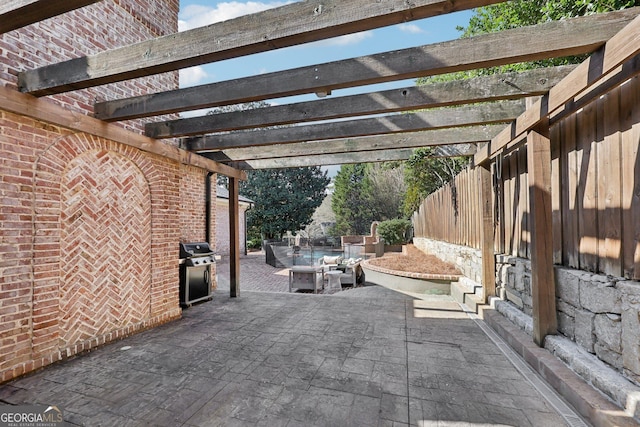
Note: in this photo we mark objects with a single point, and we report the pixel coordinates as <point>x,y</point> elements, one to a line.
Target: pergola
<point>487,115</point>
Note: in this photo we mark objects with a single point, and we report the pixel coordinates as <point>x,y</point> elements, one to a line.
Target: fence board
<point>612,226</point>
<point>498,191</point>
<point>595,192</point>
<point>601,186</point>
<point>568,188</point>
<point>466,201</point>
<point>506,211</point>
<point>588,229</point>
<point>515,204</point>
<point>556,194</point>
<point>630,139</point>
<point>523,203</point>
<point>475,220</point>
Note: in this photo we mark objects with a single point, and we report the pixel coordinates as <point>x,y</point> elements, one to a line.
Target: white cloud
<point>192,76</point>
<point>350,39</point>
<point>194,113</point>
<point>346,40</point>
<point>410,28</point>
<point>194,16</point>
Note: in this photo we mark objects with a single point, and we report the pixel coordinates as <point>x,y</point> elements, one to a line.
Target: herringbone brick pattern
<point>105,246</point>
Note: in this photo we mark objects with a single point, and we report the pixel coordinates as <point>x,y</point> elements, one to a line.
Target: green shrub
<point>394,231</point>
<point>254,243</point>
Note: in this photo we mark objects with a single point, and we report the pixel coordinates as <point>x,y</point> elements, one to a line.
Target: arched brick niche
<point>105,246</point>
<point>100,245</point>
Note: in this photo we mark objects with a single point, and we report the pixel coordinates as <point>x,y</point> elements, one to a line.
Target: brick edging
<point>88,345</point>
<point>412,275</point>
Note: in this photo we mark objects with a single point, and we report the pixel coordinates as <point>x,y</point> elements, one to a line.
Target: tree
<point>425,174</point>
<point>520,13</point>
<point>394,231</point>
<point>352,201</point>
<point>222,180</point>
<point>389,188</point>
<point>285,199</point>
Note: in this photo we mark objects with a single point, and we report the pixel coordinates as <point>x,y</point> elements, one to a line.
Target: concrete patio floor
<point>364,357</point>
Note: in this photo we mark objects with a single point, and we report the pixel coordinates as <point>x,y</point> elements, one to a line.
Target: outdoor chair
<point>330,262</point>
<point>352,272</point>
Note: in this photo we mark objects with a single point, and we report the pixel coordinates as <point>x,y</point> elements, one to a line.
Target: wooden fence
<point>595,192</point>
<point>451,214</point>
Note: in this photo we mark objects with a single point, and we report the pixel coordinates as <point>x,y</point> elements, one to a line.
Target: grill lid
<point>195,249</point>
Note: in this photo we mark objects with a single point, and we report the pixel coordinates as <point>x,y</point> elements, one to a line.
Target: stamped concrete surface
<point>362,357</point>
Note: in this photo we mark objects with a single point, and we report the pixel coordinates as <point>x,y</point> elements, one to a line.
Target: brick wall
<point>192,203</point>
<point>89,228</point>
<point>105,25</point>
<point>223,242</point>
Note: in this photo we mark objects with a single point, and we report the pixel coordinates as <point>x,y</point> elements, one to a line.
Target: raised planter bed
<point>414,284</point>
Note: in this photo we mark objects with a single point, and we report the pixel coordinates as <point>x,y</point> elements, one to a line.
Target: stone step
<point>590,397</point>
<point>467,293</point>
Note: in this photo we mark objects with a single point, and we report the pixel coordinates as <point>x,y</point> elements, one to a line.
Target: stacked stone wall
<point>468,260</point>
<point>599,313</point>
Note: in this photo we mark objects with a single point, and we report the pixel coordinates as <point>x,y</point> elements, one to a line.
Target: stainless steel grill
<point>196,260</point>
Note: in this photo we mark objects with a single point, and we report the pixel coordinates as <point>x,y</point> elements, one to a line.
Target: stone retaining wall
<point>468,260</point>
<point>601,314</point>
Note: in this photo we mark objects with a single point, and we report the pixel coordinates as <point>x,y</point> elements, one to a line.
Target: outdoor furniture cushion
<point>331,260</point>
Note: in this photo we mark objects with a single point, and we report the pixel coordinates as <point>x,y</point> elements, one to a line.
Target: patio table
<point>306,277</point>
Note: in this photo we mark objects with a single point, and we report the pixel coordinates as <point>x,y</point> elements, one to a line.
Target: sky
<point>197,13</point>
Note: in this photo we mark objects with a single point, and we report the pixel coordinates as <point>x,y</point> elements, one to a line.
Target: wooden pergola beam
<point>552,39</point>
<point>461,135</point>
<point>289,25</point>
<point>46,111</point>
<point>614,57</point>
<point>16,14</point>
<point>543,292</point>
<point>479,89</point>
<point>487,243</point>
<point>346,158</point>
<point>234,238</point>
<point>497,112</point>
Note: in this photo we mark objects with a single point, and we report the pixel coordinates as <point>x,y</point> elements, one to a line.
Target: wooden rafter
<point>552,39</point>
<point>16,14</point>
<point>496,112</point>
<point>479,89</point>
<point>617,56</point>
<point>461,135</point>
<point>346,158</point>
<point>293,24</point>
